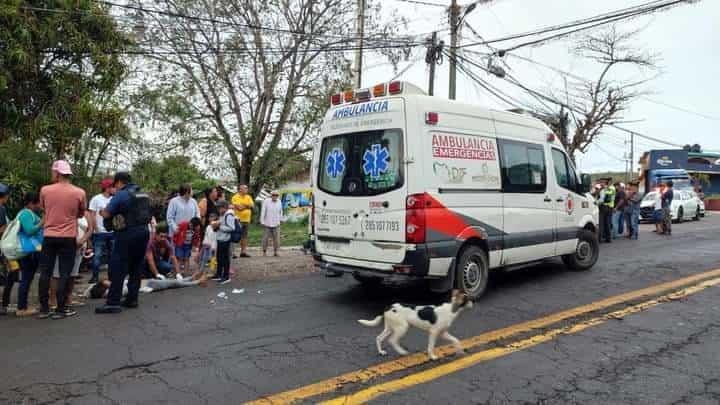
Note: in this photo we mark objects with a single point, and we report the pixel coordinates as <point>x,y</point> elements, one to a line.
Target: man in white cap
<point>270,218</point>
<point>63,204</point>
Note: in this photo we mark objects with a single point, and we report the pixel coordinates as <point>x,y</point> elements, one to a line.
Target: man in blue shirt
<point>129,211</point>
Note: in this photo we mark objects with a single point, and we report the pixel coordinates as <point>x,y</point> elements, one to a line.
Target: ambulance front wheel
<point>471,272</point>
<point>586,253</point>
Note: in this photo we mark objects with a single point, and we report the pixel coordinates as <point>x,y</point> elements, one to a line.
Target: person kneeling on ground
<point>160,258</point>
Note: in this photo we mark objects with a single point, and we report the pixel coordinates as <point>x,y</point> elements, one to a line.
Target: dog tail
<point>374,322</point>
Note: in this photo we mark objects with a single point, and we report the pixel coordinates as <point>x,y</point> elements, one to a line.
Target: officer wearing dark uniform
<point>128,215</point>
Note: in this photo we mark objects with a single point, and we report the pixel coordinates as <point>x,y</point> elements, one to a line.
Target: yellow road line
<point>406,362</point>
<point>486,355</point>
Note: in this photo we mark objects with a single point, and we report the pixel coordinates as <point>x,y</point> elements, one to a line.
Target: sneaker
<point>43,314</point>
<point>244,255</point>
<point>108,309</point>
<point>66,313</point>
<point>3,311</point>
<point>69,312</point>
<point>22,313</point>
<point>225,281</point>
<point>216,278</point>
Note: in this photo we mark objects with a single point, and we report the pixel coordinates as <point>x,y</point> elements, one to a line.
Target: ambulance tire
<point>586,254</point>
<point>472,272</point>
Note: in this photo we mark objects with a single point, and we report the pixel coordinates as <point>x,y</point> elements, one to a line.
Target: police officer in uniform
<point>128,215</point>
<point>607,203</point>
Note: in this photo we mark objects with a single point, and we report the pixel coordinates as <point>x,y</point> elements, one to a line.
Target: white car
<point>684,206</point>
<point>699,203</point>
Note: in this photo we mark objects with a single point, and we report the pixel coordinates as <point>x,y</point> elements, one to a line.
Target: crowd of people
<point>619,206</point>
<point>57,231</point>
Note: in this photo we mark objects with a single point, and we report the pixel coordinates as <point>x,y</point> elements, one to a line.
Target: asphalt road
<point>190,346</point>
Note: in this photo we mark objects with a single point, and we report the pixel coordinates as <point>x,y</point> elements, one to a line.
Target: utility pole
<point>454,29</point>
<point>359,51</point>
<point>632,153</point>
<point>433,57</point>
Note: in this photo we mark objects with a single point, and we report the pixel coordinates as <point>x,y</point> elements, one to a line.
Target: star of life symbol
<point>335,163</point>
<point>375,161</point>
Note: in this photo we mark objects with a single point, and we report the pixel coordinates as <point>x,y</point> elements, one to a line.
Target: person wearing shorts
<point>186,237</point>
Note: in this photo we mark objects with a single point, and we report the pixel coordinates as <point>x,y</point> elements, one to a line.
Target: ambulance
<point>408,186</point>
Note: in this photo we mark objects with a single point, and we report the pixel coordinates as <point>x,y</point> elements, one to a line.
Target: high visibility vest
<point>610,194</point>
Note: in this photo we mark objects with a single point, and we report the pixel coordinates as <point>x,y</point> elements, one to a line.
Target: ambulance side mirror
<point>585,183</point>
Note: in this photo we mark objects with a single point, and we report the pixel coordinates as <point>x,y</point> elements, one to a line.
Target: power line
<point>222,22</point>
<point>574,76</point>
<point>423,3</point>
<point>560,103</point>
<point>585,80</point>
<point>372,37</point>
<point>605,18</point>
<point>674,107</point>
<point>608,153</point>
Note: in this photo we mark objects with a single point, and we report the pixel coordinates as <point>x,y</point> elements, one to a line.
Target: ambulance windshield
<point>361,163</point>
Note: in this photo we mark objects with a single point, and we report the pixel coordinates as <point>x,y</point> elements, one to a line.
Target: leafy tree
<point>24,169</point>
<point>60,64</point>
<point>168,174</point>
<point>245,83</point>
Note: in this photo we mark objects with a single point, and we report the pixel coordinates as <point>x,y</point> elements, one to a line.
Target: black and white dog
<point>436,320</point>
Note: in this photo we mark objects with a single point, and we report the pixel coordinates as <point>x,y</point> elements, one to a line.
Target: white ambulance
<point>411,186</point>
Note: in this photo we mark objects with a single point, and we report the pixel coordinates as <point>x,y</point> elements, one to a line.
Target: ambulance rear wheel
<point>471,272</point>
<point>586,253</point>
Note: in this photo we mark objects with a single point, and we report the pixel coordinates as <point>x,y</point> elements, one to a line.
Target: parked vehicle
<point>699,204</point>
<point>684,206</point>
<point>415,187</point>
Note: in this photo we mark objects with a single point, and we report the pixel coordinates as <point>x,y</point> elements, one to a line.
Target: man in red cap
<point>63,204</point>
<point>102,239</point>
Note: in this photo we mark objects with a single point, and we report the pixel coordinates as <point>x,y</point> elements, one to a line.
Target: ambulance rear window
<point>361,163</point>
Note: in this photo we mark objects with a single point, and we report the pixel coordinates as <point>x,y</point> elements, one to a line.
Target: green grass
<point>291,234</point>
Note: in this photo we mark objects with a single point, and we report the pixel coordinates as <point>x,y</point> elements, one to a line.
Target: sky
<point>686,39</point>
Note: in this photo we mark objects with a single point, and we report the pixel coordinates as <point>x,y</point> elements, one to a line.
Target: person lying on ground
<point>101,288</point>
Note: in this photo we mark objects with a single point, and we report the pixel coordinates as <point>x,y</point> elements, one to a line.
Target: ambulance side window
<point>523,167</point>
<point>564,171</point>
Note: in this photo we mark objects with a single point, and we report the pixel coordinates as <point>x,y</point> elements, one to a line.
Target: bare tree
<point>244,84</point>
<point>599,103</point>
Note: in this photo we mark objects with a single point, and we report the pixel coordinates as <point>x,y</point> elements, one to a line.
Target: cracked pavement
<point>178,347</point>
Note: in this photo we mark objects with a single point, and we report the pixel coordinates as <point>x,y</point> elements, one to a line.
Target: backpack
<point>10,242</point>
<point>237,233</point>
